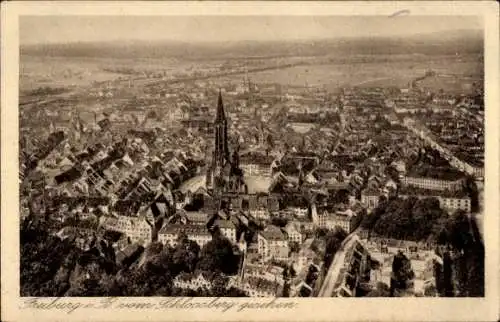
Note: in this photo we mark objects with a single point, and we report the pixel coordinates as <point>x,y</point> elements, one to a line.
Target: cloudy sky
<point>60,29</point>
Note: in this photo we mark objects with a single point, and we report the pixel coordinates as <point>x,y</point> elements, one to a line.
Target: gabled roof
<point>273,233</point>
<point>370,192</point>
<point>187,229</point>
<point>196,216</point>
<point>221,223</point>
<point>290,226</point>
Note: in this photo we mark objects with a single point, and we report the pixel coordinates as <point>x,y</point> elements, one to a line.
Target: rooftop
<point>273,233</point>
<point>256,158</point>
<point>371,192</point>
<point>263,284</point>
<point>221,223</point>
<point>196,216</point>
<point>443,173</point>
<point>414,191</point>
<point>187,229</point>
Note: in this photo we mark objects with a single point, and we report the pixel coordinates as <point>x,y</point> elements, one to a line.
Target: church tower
<point>220,156</point>
<point>221,151</point>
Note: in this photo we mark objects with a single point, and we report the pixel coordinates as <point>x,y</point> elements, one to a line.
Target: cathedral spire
<point>221,151</point>
<point>220,116</point>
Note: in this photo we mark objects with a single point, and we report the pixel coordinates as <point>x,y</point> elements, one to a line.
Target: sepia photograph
<point>251,156</point>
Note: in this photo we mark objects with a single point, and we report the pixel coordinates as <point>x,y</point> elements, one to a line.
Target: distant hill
<point>438,43</point>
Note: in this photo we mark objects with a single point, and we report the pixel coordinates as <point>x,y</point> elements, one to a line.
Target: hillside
<point>439,43</point>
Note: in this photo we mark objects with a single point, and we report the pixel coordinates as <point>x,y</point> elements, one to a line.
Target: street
<point>338,261</point>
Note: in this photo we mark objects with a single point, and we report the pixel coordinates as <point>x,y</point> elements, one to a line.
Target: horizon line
<point>291,40</point>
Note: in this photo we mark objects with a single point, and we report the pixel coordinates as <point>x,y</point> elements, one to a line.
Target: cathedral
<point>224,174</point>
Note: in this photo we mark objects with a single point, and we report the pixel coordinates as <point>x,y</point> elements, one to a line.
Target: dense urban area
<point>252,176</point>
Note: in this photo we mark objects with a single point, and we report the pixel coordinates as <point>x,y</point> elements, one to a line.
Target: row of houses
<point>449,200</point>
<point>434,183</point>
<point>347,218</point>
<point>254,285</point>
<point>198,233</point>
<point>421,131</point>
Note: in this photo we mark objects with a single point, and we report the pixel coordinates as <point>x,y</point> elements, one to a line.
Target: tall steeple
<point>221,116</point>
<point>221,151</point>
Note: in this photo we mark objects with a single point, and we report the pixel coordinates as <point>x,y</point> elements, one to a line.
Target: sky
<point>62,29</point>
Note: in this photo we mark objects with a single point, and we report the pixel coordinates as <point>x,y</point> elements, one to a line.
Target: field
<point>330,72</point>
<point>39,71</point>
<point>451,84</point>
<point>60,72</point>
<point>384,74</point>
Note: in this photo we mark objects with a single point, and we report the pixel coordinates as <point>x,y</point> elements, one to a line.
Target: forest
<point>51,266</point>
<point>460,244</point>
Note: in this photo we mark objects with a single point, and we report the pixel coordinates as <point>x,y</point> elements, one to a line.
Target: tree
<point>447,289</point>
<point>294,247</point>
<point>218,256</point>
<point>185,256</point>
<point>468,260</point>
<point>381,290</point>
<point>270,141</point>
<point>279,221</point>
<point>333,241</point>
<point>42,257</point>
<point>409,219</point>
<point>475,270</point>
<point>235,292</point>
<point>402,274</point>
<point>142,281</point>
<point>430,291</point>
<point>152,251</point>
<point>320,232</point>
<point>219,284</point>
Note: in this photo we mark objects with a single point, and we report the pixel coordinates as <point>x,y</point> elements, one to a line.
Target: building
<point>261,213</point>
<point>293,233</point>
<point>84,237</point>
<point>304,257</point>
<point>161,207</point>
<point>434,184</point>
<point>192,281</point>
<point>257,203</point>
<point>196,217</point>
<point>370,198</point>
<point>227,229</point>
<point>452,204</point>
<point>304,225</point>
<point>300,211</point>
<point>271,273</point>
<point>331,218</point>
<point>224,174</point>
<point>169,234</point>
<point>254,164</point>
<point>449,200</point>
<point>326,218</point>
<point>346,220</point>
<point>272,244</point>
<point>129,254</point>
<point>136,228</point>
<point>355,262</point>
<point>424,273</point>
<point>259,287</point>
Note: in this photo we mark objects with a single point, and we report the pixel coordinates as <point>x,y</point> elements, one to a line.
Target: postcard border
<point>421,309</point>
